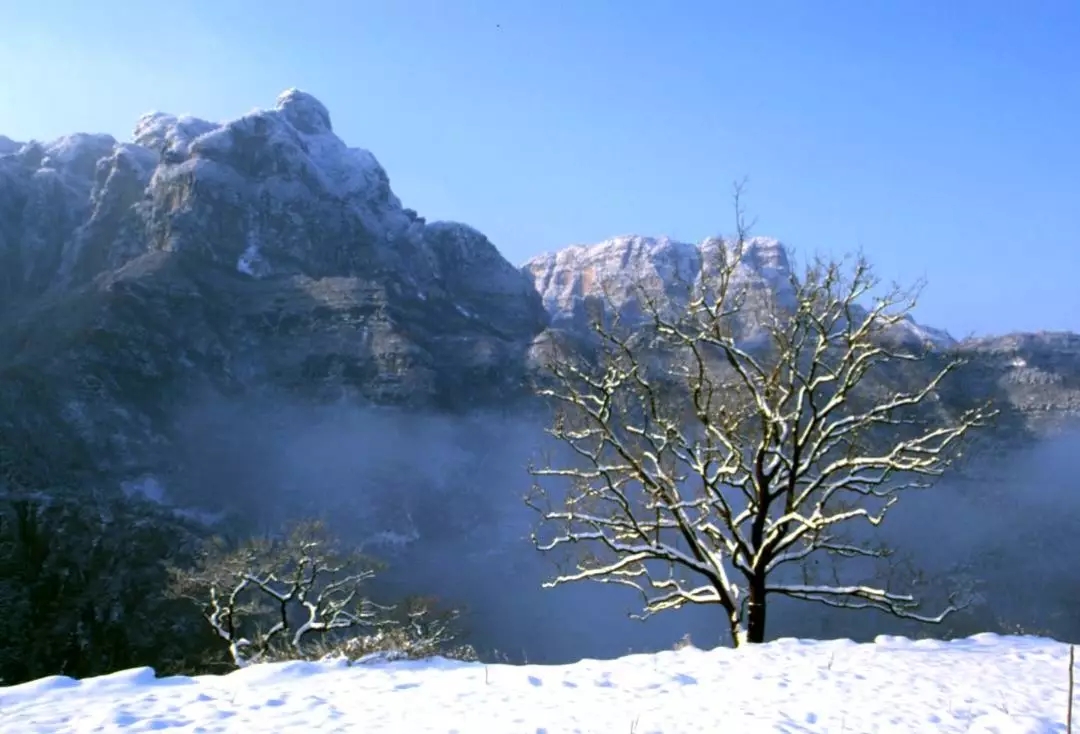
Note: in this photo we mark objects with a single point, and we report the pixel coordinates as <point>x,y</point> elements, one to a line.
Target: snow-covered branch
<point>863,597</point>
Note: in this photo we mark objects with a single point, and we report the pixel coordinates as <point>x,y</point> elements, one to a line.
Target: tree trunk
<point>755,610</point>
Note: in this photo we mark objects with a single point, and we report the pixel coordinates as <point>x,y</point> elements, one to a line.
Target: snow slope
<point>986,683</point>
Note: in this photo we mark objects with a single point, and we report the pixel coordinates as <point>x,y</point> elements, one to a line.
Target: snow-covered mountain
<point>260,253</point>
<point>273,193</point>
<point>615,270</point>
<point>1034,377</point>
<point>266,253</point>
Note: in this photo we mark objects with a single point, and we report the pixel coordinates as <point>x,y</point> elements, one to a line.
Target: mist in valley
<point>440,499</point>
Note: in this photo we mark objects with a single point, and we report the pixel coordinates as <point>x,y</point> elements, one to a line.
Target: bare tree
<point>722,443</point>
<point>273,593</point>
<point>299,596</point>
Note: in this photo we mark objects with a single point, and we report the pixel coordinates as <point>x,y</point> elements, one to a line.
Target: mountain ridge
<point>615,270</point>
<point>166,145</point>
<point>263,254</point>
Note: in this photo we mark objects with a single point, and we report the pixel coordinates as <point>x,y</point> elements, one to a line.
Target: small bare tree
<point>270,595</point>
<point>728,440</point>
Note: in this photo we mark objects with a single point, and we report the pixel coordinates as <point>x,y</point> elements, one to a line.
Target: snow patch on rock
<point>249,260</point>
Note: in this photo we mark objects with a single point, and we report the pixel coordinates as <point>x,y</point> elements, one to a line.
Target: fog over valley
<point>440,498</point>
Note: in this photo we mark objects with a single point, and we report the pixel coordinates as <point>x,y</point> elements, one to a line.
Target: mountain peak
<point>304,112</point>
<point>272,193</point>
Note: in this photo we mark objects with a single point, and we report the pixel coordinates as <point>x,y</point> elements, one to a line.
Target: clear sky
<point>939,137</point>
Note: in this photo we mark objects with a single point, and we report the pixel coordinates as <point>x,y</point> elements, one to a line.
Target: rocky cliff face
<point>257,254</point>
<point>1037,373</point>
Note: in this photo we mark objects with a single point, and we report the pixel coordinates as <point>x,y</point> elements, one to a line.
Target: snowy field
<point>1014,685</point>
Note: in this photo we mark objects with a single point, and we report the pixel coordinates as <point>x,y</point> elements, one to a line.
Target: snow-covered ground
<point>1015,685</point>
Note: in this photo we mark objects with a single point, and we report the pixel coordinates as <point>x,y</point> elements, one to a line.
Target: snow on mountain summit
<point>295,140</point>
<point>272,193</point>
<point>615,270</point>
<point>665,267</point>
<point>304,112</point>
<point>164,133</point>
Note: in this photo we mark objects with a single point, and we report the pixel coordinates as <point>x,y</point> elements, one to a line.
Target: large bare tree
<point>731,438</point>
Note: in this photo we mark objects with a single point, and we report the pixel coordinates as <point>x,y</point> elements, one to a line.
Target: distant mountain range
<point>264,255</point>
<point>615,271</point>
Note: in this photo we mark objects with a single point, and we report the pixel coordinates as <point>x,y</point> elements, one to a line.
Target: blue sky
<point>939,137</point>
